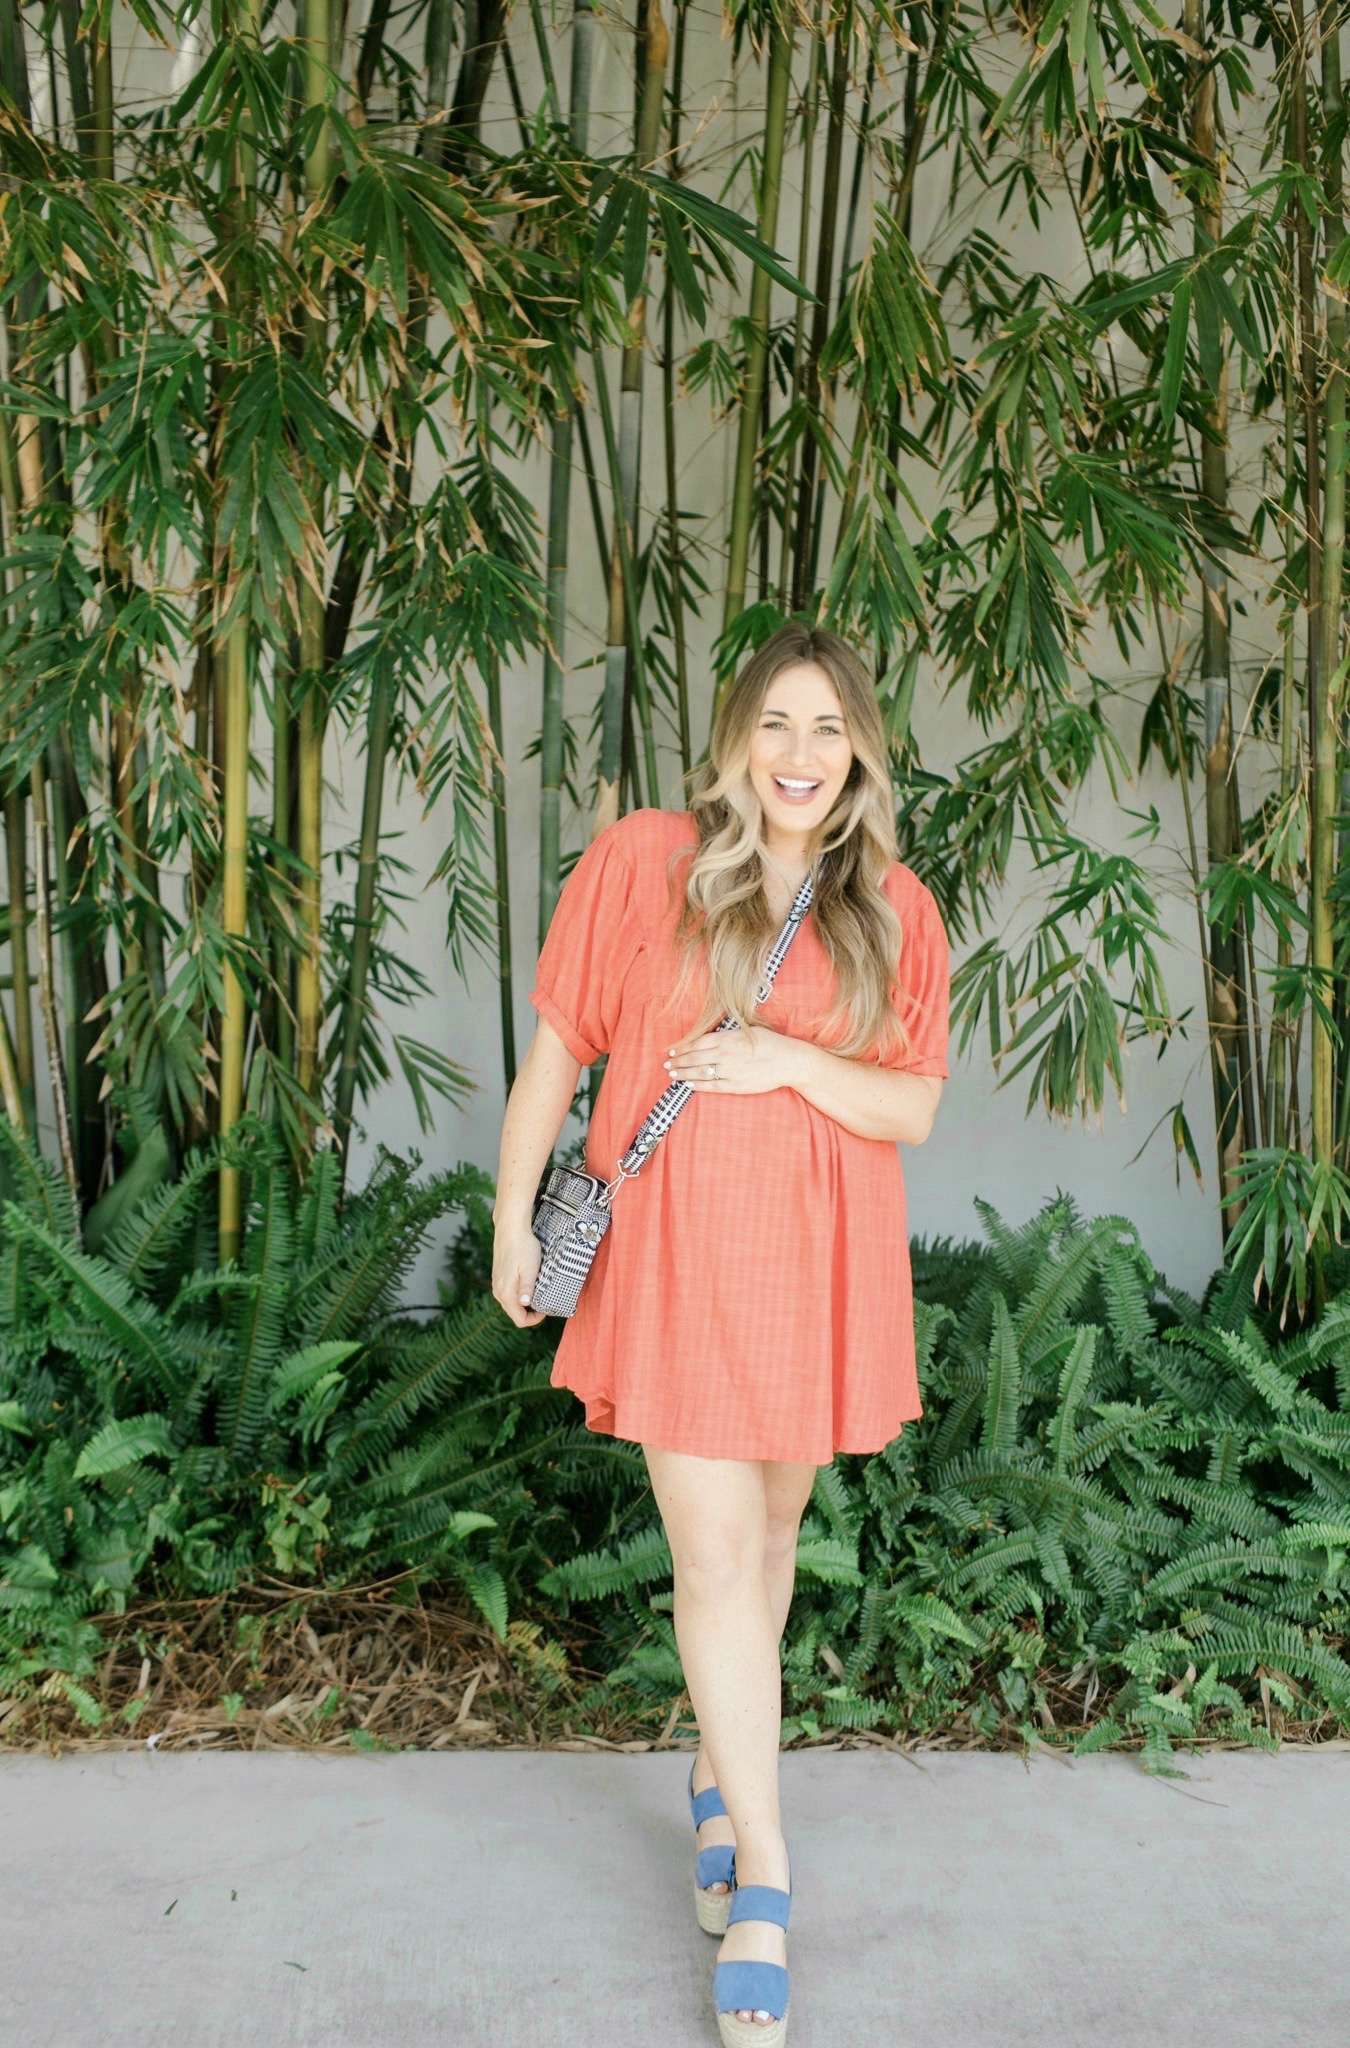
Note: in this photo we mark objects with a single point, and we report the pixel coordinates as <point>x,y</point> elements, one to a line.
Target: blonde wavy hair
<point>724,919</point>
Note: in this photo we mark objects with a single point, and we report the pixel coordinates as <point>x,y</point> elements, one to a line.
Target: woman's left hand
<point>749,1061</point>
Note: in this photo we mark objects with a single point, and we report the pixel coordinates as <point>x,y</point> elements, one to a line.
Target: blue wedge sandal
<point>714,1865</point>
<point>751,1986</point>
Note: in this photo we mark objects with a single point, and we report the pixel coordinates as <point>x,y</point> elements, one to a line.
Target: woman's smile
<point>795,790</point>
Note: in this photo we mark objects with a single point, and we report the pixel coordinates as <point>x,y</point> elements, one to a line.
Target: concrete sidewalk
<point>543,1900</point>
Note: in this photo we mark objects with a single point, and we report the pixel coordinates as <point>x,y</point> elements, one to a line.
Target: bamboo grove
<point>329,336</point>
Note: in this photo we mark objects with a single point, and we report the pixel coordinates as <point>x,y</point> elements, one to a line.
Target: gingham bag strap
<point>668,1106</point>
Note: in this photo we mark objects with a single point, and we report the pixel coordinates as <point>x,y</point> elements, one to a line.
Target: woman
<point>749,1311</point>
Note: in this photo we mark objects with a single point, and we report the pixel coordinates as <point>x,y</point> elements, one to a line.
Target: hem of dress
<point>601,1420</point>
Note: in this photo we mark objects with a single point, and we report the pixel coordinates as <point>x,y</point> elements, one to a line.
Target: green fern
<point>141,1400</point>
<point>259,1317</point>
<point>1003,1383</point>
<point>1105,1477</point>
<point>147,1244</point>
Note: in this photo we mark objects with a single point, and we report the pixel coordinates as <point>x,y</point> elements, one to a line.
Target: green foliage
<point>168,1428</point>
<point>1104,1487</point>
<point>1112,1492</point>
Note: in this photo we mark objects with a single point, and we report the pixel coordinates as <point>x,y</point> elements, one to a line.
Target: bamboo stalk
<point>79,1078</point>
<point>513,87</point>
<point>1225,1021</point>
<point>16,849</point>
<point>675,547</point>
<point>656,48</point>
<point>51,1023</point>
<point>27,466</point>
<point>10,1090</point>
<point>845,264</point>
<point>1279,1030</point>
<point>763,500</point>
<point>466,118</point>
<point>1305,304</point>
<point>440,30</point>
<point>278,1002</point>
<point>505,990</point>
<point>918,105</point>
<point>628,590</point>
<point>555,641</point>
<point>85,976</point>
<point>820,314</point>
<point>1172,669</point>
<point>310,727</point>
<point>90,972</point>
<point>621,790</point>
<point>591,471</point>
<point>1254,1095</point>
<point>475,71</point>
<point>101,83</point>
<point>122,778</point>
<point>1330,682</point>
<point>77,80</point>
<point>311,710</point>
<point>1249,1067</point>
<point>542,46</point>
<point>234,920</point>
<point>372,43</point>
<point>235,721</point>
<point>675,540</point>
<point>559,522</point>
<point>855,183</point>
<point>16,845</point>
<point>778,86</point>
<point>13,59</point>
<point>365,917</point>
<point>810,118</point>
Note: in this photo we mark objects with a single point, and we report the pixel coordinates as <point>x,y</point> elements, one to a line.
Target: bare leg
<point>787,1489</point>
<point>716,1516</point>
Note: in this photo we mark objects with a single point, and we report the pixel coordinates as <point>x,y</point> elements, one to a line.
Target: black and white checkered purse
<point>572,1210</point>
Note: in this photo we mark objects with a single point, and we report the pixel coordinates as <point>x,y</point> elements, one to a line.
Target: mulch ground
<point>385,1667</point>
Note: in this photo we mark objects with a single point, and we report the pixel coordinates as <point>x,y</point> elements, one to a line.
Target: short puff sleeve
<point>592,940</point>
<point>924,982</point>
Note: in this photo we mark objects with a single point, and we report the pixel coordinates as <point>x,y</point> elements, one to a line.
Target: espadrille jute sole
<point>712,1909</point>
<point>738,2033</point>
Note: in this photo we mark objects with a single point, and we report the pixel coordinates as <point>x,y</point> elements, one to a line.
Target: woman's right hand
<point>516,1255</point>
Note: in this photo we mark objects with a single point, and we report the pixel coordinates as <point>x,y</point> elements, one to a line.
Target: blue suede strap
<point>760,1902</point>
<point>715,1865</point>
<point>706,1805</point>
<point>703,1805</point>
<point>751,1987</point>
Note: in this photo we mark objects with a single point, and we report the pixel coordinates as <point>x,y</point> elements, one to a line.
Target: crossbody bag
<point>572,1210</point>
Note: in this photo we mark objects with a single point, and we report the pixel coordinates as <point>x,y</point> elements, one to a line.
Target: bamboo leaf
<point>720,224</point>
<point>682,273</point>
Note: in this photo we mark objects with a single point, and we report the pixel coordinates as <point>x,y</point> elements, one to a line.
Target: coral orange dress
<point>752,1295</point>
